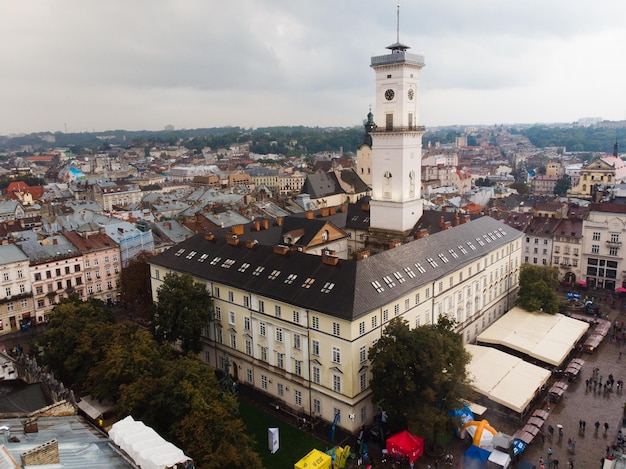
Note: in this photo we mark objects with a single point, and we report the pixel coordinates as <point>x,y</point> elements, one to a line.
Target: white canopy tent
<point>147,449</point>
<point>546,337</point>
<point>503,378</point>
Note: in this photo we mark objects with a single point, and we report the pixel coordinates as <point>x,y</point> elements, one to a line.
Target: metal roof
<point>80,444</point>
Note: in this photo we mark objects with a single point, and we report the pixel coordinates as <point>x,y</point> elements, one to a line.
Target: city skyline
<point>75,66</point>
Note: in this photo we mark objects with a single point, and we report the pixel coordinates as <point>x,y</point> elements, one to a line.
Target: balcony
<point>565,265</point>
<point>614,244</point>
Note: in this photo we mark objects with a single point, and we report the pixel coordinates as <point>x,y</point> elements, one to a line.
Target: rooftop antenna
<point>398,25</point>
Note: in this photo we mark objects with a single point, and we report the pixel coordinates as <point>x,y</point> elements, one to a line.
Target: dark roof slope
<point>348,289</point>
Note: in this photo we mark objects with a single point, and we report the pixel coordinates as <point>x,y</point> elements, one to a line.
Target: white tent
<point>147,449</point>
<point>498,459</point>
<point>503,378</point>
<point>546,337</point>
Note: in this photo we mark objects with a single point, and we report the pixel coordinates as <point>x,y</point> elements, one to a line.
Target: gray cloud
<point>195,63</point>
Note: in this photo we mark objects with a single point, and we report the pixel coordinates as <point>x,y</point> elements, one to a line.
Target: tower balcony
<point>397,129</point>
<point>398,57</point>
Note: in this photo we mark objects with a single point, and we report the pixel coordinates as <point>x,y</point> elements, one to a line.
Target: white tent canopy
<point>147,449</point>
<point>546,337</point>
<point>503,378</point>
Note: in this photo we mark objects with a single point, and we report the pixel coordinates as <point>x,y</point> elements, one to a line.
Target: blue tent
<point>475,458</point>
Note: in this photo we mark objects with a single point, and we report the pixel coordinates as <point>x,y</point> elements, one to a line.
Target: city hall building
<point>299,326</point>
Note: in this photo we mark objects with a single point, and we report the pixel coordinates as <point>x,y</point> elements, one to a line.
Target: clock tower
<point>396,205</point>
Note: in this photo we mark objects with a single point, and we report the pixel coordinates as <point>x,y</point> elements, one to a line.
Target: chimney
<point>298,248</point>
<point>232,239</point>
<point>329,260</point>
<point>30,426</point>
<point>394,243</point>
<point>168,225</point>
<point>466,218</point>
<point>251,244</point>
<point>209,237</point>
<point>281,250</point>
<point>266,223</point>
<point>324,211</point>
<point>237,229</point>
<point>362,254</point>
<point>257,225</point>
<point>447,225</point>
<point>47,453</point>
<point>279,221</point>
<point>422,233</point>
<point>365,207</point>
<point>55,241</point>
<point>441,222</point>
<point>333,210</point>
<point>309,215</point>
<point>342,208</point>
<point>456,219</point>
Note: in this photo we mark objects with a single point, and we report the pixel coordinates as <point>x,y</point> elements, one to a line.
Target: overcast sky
<point>80,65</point>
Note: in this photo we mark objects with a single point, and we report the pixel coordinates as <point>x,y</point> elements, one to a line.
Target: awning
<point>582,283</point>
<point>620,290</point>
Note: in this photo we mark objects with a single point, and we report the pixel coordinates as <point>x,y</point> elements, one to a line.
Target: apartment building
<point>110,194</point>
<point>604,232</point>
<point>56,270</point>
<point>16,296</point>
<point>101,262</point>
<point>538,241</point>
<point>567,245</point>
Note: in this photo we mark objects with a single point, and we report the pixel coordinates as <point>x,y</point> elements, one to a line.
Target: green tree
<point>538,288</point>
<point>76,339</point>
<point>185,404</point>
<point>130,354</point>
<point>183,308</point>
<point>419,375</point>
<point>563,185</point>
<point>520,187</point>
<point>136,291</point>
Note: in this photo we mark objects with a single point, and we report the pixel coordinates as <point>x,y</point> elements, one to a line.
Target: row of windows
<point>11,305</point>
<point>6,276</point>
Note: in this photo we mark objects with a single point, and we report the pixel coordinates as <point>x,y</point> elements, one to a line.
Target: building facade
<point>101,264</point>
<point>298,327</point>
<point>604,232</point>
<point>16,296</point>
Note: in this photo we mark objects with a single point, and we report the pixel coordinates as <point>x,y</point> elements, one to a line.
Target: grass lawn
<point>294,443</point>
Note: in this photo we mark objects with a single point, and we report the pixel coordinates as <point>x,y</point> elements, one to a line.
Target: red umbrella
<point>581,282</point>
<point>620,290</point>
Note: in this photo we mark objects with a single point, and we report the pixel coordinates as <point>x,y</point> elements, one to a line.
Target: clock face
<point>411,94</point>
<point>389,94</point>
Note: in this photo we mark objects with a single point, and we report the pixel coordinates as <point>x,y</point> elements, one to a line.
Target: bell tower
<point>396,204</point>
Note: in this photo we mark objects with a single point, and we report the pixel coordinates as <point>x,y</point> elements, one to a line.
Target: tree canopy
<point>562,185</point>
<point>419,375</point>
<point>538,288</point>
<point>178,396</point>
<point>135,285</point>
<point>184,307</point>
<point>75,338</point>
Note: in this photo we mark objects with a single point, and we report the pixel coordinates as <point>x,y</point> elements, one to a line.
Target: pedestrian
<point>606,427</point>
<point>540,460</point>
<point>549,453</point>
<point>584,426</point>
<point>555,463</point>
<point>580,424</point>
<point>597,424</point>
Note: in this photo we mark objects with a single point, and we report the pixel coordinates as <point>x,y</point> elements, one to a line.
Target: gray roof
<point>80,444</point>
<point>10,253</point>
<point>348,289</point>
